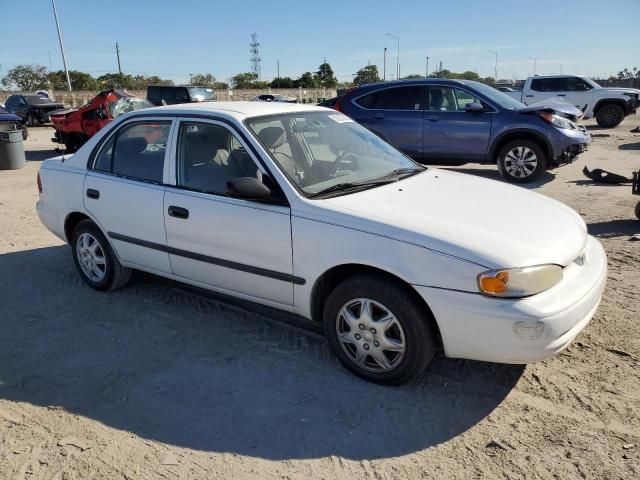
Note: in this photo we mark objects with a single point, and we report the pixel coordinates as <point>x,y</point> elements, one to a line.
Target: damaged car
<point>33,109</point>
<point>75,126</point>
<point>454,122</point>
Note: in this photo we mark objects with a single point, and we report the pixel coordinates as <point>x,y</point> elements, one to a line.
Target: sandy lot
<point>156,381</point>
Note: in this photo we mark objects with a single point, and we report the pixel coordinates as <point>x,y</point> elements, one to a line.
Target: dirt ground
<point>156,381</point>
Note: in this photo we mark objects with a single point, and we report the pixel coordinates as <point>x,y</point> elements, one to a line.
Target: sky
<point>173,39</point>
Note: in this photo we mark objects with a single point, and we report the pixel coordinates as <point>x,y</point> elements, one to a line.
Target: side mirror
<point>250,188</point>
<point>474,107</point>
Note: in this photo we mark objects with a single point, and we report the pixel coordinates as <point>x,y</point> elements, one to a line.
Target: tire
<point>638,210</point>
<point>25,132</point>
<point>522,161</point>
<point>409,336</point>
<point>108,273</point>
<point>31,120</point>
<point>73,142</point>
<point>610,115</point>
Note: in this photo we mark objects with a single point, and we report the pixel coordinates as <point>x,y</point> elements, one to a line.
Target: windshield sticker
<point>340,118</point>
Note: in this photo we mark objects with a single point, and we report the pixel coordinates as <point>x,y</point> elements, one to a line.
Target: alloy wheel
<point>91,257</point>
<point>520,162</point>
<point>371,335</point>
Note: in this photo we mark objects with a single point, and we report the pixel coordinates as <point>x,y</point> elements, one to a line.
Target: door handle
<point>91,193</point>
<point>562,95</point>
<point>378,116</point>
<point>432,118</point>
<point>178,212</point>
<point>529,96</point>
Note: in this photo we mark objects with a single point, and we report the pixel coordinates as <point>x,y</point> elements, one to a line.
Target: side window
<point>442,99</point>
<point>555,84</point>
<point>11,102</point>
<point>136,151</point>
<point>400,98</point>
<point>366,101</point>
<point>576,84</point>
<point>209,156</point>
<point>169,95</point>
<point>154,94</point>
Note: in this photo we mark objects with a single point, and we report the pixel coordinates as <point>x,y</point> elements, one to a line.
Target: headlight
<point>519,282</point>
<point>556,120</point>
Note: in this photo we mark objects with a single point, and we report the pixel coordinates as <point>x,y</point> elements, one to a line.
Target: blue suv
<point>454,122</point>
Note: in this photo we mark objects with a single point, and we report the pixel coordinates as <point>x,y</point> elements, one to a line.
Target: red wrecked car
<point>77,125</point>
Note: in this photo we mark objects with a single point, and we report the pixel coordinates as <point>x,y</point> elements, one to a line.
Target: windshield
<point>591,82</point>
<point>201,94</point>
<point>322,152</point>
<point>496,96</point>
<point>37,100</point>
<point>127,104</point>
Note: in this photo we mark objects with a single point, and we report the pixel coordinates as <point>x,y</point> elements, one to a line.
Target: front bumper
<point>568,144</point>
<point>525,330</point>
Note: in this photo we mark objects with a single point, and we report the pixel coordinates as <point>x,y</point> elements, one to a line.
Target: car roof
<point>237,110</point>
<point>416,81</point>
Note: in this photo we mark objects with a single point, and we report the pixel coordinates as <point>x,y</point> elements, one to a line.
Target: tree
<point>325,76</point>
<point>79,80</point>
<point>626,73</point>
<point>115,80</point>
<point>368,74</point>
<point>306,80</point>
<point>203,80</point>
<point>413,76</point>
<point>26,77</point>
<point>244,80</point>
<point>282,82</point>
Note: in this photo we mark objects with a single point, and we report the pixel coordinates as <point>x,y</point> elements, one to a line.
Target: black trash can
<point>11,150</point>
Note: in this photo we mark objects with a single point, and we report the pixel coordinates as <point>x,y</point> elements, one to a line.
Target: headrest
<point>132,145</point>
<point>272,137</point>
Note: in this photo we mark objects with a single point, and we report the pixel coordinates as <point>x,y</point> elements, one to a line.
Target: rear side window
<point>549,84</point>
<point>136,151</point>
<point>169,94</point>
<point>398,98</point>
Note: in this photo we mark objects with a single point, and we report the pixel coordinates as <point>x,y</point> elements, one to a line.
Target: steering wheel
<point>350,159</point>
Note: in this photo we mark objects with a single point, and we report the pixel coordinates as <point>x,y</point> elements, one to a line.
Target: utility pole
<point>278,77</point>
<point>440,65</point>
<point>64,59</point>
<point>384,65</point>
<point>495,71</point>
<point>49,61</point>
<point>426,70</point>
<point>118,55</point>
<point>191,79</point>
<point>398,54</point>
<point>535,61</point>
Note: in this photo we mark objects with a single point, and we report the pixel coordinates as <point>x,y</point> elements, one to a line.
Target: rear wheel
<point>610,115</point>
<point>521,161</point>
<point>32,121</point>
<point>378,330</point>
<point>95,260</point>
<point>73,142</point>
<point>638,210</point>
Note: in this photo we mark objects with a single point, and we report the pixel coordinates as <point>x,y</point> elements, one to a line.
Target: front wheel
<point>378,330</point>
<point>521,161</point>
<point>95,260</point>
<point>610,116</point>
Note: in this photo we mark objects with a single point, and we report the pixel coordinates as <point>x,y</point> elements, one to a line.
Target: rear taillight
<point>39,183</point>
<point>338,106</point>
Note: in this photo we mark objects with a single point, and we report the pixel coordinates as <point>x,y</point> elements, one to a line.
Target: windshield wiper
<point>339,187</point>
<point>402,171</point>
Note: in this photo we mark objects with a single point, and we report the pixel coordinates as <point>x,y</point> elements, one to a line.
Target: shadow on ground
<point>615,228</point>
<point>40,155</point>
<point>630,146</point>
<point>493,174</point>
<point>178,367</point>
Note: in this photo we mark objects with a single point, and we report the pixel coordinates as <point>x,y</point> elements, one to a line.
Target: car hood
<point>487,222</point>
<point>554,104</point>
<point>619,90</point>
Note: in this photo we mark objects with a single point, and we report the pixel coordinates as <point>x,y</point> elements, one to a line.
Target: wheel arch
<point>523,133</point>
<point>609,101</point>
<point>331,278</point>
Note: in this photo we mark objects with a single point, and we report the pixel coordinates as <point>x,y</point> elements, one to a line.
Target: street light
<point>398,55</point>
<point>426,71</point>
<point>64,59</point>
<point>535,60</point>
<point>384,66</point>
<point>495,71</point>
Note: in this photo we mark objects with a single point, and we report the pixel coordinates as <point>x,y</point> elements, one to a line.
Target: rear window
<point>398,98</point>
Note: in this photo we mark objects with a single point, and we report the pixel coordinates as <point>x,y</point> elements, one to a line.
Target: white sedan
<point>302,209</point>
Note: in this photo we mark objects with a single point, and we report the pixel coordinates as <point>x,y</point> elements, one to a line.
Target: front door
<point>124,192</point>
<point>452,135</point>
<point>236,246</point>
<point>395,115</point>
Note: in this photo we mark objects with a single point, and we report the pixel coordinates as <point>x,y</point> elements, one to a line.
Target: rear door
<point>544,88</point>
<point>395,114</point>
<point>451,134</point>
<point>124,192</point>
